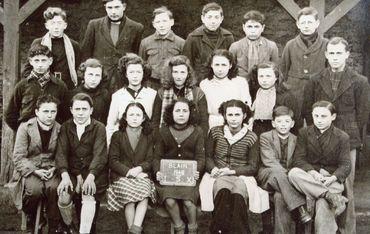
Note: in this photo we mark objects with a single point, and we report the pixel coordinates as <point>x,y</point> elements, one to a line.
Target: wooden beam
<point>2,15</point>
<point>28,8</point>
<point>339,11</point>
<point>291,7</point>
<point>10,77</point>
<point>319,5</point>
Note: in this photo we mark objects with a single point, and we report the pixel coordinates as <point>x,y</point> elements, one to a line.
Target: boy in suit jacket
<point>277,147</point>
<point>207,38</point>
<point>81,159</point>
<point>33,157</point>
<point>109,38</point>
<point>321,164</point>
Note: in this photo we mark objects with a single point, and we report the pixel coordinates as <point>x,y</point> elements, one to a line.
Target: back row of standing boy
<point>110,37</point>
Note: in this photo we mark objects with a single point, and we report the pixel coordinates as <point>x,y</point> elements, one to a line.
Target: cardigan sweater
<point>122,157</point>
<point>241,156</point>
<point>192,148</point>
<point>329,150</point>
<point>120,100</point>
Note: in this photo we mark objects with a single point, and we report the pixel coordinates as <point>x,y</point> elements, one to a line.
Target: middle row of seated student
<point>180,139</point>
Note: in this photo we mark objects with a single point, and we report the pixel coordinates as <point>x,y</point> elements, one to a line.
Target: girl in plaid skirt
<point>130,158</point>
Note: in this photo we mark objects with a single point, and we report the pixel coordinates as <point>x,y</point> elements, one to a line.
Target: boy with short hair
<point>66,52</point>
<point>349,92</point>
<point>253,49</point>
<point>33,158</point>
<point>205,39</point>
<point>40,81</point>
<point>277,147</point>
<point>81,159</point>
<point>110,37</point>
<point>321,163</point>
<point>157,48</point>
<point>304,56</point>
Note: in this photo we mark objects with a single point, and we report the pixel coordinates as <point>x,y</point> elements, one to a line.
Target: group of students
<point>233,107</point>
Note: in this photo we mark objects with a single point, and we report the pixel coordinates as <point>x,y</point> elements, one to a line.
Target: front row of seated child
<point>77,172</point>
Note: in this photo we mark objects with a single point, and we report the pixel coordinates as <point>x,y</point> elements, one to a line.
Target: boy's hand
<point>133,172</point>
<point>142,175</point>
<point>42,174</point>
<point>88,187</point>
<point>51,172</point>
<point>65,184</point>
<point>328,180</point>
<point>316,175</point>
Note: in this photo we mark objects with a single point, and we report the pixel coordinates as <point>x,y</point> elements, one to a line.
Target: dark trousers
<point>36,189</point>
<point>230,213</point>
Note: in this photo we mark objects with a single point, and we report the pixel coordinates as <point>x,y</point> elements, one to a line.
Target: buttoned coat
<point>28,155</point>
<point>332,155</point>
<point>98,44</point>
<point>352,101</point>
<point>85,156</point>
<point>198,47</point>
<point>122,157</point>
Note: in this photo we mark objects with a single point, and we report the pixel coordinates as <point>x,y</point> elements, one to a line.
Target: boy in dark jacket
<point>349,92</point>
<point>204,40</point>
<point>321,164</point>
<point>108,38</point>
<point>253,49</point>
<point>303,56</point>
<point>81,159</point>
<point>66,52</point>
<point>39,81</point>
<point>157,48</point>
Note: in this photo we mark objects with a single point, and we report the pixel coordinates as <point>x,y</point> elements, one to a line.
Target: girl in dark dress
<point>130,156</point>
<point>180,139</point>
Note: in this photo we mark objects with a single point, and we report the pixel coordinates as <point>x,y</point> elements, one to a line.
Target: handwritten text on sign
<point>178,172</point>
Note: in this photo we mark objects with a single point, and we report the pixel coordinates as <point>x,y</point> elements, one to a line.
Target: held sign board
<point>178,172</point>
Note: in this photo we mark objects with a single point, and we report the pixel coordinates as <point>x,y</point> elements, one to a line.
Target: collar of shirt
<point>80,128</point>
<point>43,126</point>
<point>134,93</point>
<point>220,81</point>
<point>170,36</point>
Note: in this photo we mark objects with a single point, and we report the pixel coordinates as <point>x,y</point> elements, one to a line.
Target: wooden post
<point>10,77</point>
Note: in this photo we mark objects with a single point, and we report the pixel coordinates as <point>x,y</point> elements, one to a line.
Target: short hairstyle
<point>235,103</point>
<point>39,49</point>
<point>212,6</point>
<point>255,16</point>
<point>167,81</point>
<point>253,82</point>
<point>90,62</point>
<point>46,98</point>
<point>147,129</point>
<point>105,1</point>
<point>128,59</point>
<point>168,114</point>
<point>82,97</point>
<point>330,106</point>
<point>308,11</point>
<point>223,53</point>
<point>160,10</point>
<point>337,40</point>
<point>51,12</point>
<point>282,110</point>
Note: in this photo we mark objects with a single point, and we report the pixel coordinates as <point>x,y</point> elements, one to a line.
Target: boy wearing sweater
<point>253,49</point>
